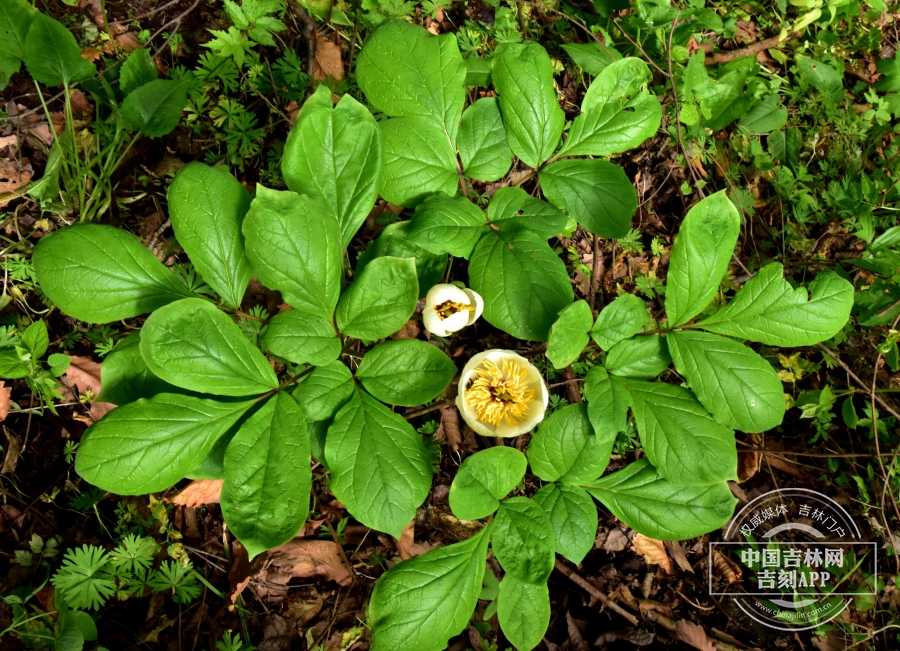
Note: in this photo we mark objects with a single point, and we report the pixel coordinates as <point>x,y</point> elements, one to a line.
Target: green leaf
<point>148,445</point>
<point>700,256</point>
<point>596,193</point>
<point>616,114</point>
<point>15,19</point>
<point>681,439</point>
<point>765,116</point>
<point>51,54</point>
<point>302,338</point>
<point>194,345</point>
<point>523,610</point>
<point>735,384</point>
<point>125,376</point>
<point>655,507</point>
<point>324,391</point>
<point>418,161</point>
<point>406,372</point>
<point>423,602</point>
<point>137,70</point>
<point>523,282</point>
<point>58,363</point>
<point>573,517</point>
<point>11,367</point>
<point>444,225</point>
<point>890,68</point>
<point>642,357</point>
<point>622,319</point>
<point>608,402</point>
<point>593,58</point>
<point>820,76</point>
<point>265,497</point>
<point>523,78</point>
<point>334,155</point>
<point>35,339</point>
<point>155,108</point>
<point>523,540</point>
<point>395,242</point>
<point>768,310</point>
<point>46,189</point>
<point>379,466</point>
<point>565,448</point>
<point>478,71</point>
<point>207,206</point>
<point>380,300</point>
<point>785,146</point>
<point>405,71</point>
<point>8,67</point>
<point>100,274</point>
<point>295,247</point>
<point>512,209</point>
<point>483,149</point>
<point>484,479</point>
<point>568,336</point>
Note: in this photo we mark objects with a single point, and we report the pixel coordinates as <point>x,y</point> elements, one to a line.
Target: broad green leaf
<point>207,206</point>
<point>483,149</point>
<point>616,114</point>
<point>523,610</point>
<point>765,116</point>
<point>568,336</point>
<point>478,71</point>
<point>734,383</point>
<point>148,445</point>
<point>406,372</point>
<point>523,540</point>
<point>890,68</point>
<point>418,161</point>
<point>395,241</point>
<point>155,108</point>
<point>484,479</point>
<point>768,310</point>
<point>379,466</point>
<point>8,67</point>
<point>265,497</point>
<point>642,357</point>
<point>659,509</point>
<point>324,391</point>
<point>820,76</point>
<point>523,78</point>
<point>125,376</point>
<point>380,300</point>
<point>608,402</point>
<point>15,19</point>
<point>574,519</point>
<point>137,70</point>
<point>785,146</point>
<point>46,189</point>
<point>334,155</point>
<point>405,71</point>
<point>294,246</point>
<point>593,58</point>
<point>700,256</point>
<point>444,225</point>
<point>11,366</point>
<point>194,345</point>
<point>622,319</point>
<point>318,432</point>
<point>51,54</point>
<point>423,602</point>
<point>35,339</point>
<point>513,209</point>
<point>565,448</point>
<point>681,439</point>
<point>596,193</point>
<point>523,282</point>
<point>302,338</point>
<point>100,274</point>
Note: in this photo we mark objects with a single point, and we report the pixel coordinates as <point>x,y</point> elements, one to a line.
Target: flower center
<point>449,308</point>
<point>500,393</point>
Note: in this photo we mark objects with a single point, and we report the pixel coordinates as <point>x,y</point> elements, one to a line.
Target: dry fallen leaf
<point>5,400</point>
<point>450,427</point>
<point>128,41</point>
<point>83,375</point>
<point>677,553</point>
<point>13,448</point>
<point>199,492</point>
<point>653,551</point>
<point>309,558</point>
<point>611,541</point>
<point>328,61</point>
<point>693,634</point>
<point>407,547</point>
<point>11,177</point>
<point>727,568</point>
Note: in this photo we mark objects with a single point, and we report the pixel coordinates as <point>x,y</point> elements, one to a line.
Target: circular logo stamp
<point>791,560</point>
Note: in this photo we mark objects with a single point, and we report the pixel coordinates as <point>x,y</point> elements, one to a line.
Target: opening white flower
<point>449,308</point>
<point>501,394</point>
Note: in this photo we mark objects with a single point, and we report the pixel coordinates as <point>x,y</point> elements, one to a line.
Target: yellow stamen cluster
<point>500,393</point>
<point>449,308</point>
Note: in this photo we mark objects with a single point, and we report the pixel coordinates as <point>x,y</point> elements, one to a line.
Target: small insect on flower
<point>501,394</point>
<point>449,308</point>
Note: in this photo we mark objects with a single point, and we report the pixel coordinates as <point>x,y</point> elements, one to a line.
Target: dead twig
<point>594,592</point>
<point>749,51</point>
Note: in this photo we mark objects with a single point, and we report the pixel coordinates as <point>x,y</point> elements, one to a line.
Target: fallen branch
<point>594,592</point>
<point>309,33</point>
<point>749,51</point>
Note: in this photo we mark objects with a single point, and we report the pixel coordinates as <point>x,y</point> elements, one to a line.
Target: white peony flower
<point>449,308</point>
<point>501,394</point>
